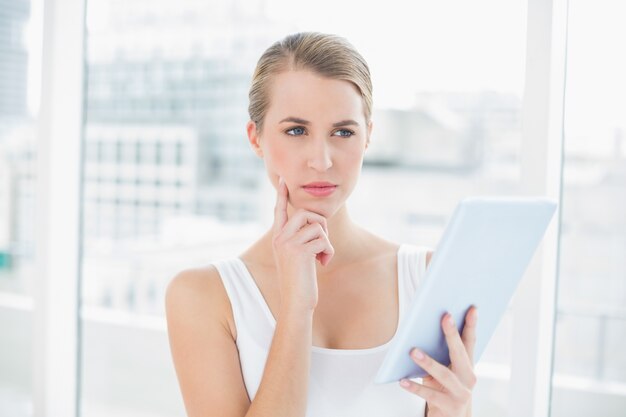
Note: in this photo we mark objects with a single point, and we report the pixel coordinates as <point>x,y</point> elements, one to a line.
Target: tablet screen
<point>480,260</point>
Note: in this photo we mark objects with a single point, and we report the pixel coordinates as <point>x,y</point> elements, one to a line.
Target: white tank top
<point>340,380</point>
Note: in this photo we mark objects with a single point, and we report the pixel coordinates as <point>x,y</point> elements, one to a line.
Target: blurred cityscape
<point>166,152</point>
<point>170,181</point>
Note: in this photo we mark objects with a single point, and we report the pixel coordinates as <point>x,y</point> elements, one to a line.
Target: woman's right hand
<point>298,242</point>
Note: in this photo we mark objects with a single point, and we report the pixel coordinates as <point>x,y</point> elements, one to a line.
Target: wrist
<point>292,310</point>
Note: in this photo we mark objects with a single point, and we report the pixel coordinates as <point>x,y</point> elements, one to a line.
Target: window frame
<point>534,304</point>
<point>56,284</point>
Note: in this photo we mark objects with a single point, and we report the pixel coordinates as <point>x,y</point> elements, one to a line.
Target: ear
<point>370,126</point>
<point>254,138</point>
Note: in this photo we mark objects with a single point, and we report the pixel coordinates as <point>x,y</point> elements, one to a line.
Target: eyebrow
<point>346,122</point>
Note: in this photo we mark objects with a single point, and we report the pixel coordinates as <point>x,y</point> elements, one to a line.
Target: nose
<point>319,155</point>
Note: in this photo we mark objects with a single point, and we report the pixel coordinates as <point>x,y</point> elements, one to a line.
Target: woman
<point>298,324</point>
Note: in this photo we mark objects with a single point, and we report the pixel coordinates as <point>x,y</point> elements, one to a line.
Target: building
<point>17,196</point>
<point>456,132</point>
<point>187,63</point>
<point>14,60</point>
<point>136,175</point>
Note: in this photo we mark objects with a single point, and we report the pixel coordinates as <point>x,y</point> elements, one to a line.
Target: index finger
<point>469,331</point>
<point>280,210</point>
<point>459,357</point>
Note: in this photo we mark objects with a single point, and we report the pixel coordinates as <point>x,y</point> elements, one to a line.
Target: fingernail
<point>280,180</point>
<point>475,314</point>
<point>405,382</point>
<point>417,354</point>
<point>450,320</point>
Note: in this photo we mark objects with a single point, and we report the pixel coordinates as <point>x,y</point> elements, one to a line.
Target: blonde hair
<point>328,55</point>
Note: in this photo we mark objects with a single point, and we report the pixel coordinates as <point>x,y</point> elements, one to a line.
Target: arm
<point>206,358</point>
<point>284,386</point>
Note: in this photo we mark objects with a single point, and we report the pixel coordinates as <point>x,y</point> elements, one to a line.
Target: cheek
<point>352,160</point>
<point>277,158</point>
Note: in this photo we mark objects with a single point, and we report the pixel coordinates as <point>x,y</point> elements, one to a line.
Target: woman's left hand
<point>448,389</point>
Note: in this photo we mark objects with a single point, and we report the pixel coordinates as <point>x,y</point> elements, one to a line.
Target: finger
<point>459,358</point>
<point>441,373</point>
<point>435,398</point>
<point>313,232</point>
<point>320,244</point>
<point>469,332</point>
<point>308,233</point>
<point>431,382</point>
<point>323,249</point>
<point>280,210</point>
<point>302,218</point>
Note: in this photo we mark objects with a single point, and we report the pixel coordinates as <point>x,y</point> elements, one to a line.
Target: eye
<point>347,133</point>
<point>298,131</point>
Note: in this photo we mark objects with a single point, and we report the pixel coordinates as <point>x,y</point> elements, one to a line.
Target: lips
<point>320,188</point>
<point>319,185</point>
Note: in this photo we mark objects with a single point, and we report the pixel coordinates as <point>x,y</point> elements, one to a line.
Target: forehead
<point>313,97</point>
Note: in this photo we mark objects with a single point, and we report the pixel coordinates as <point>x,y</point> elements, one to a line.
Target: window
<point>446,126</point>
<point>591,320</point>
<point>447,113</point>
<point>20,57</point>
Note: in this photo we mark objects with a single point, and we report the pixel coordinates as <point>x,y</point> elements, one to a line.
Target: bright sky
<point>424,45</point>
<point>596,82</point>
<point>445,45</point>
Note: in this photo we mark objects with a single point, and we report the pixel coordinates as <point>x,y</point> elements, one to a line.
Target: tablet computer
<point>480,260</point>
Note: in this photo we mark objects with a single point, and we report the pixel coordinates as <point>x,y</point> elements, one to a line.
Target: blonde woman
<point>298,324</point>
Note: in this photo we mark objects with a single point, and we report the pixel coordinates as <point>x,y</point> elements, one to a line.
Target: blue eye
<point>297,129</point>
<point>350,133</point>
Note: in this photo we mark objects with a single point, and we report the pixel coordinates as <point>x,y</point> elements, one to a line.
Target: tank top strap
<point>252,318</point>
<point>411,270</point>
<point>248,306</point>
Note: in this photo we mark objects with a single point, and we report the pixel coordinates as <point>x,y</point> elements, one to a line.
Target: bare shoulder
<point>387,246</point>
<point>194,285</point>
<point>394,247</point>
<point>204,352</point>
<point>201,293</point>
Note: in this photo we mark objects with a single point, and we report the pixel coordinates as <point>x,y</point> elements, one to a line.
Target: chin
<point>323,208</point>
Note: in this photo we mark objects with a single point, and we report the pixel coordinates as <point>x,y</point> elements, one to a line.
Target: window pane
<point>20,50</point>
<point>590,365</point>
<point>447,124</point>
